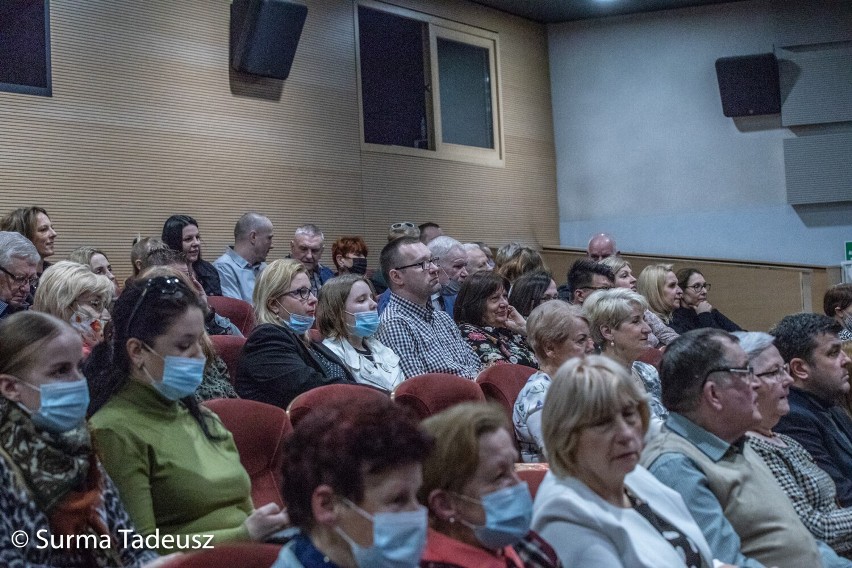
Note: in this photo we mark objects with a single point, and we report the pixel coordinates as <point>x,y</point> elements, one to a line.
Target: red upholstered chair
<point>502,382</point>
<point>239,312</point>
<point>532,473</point>
<point>327,395</point>
<point>259,432</point>
<point>230,349</point>
<point>431,393</point>
<point>652,356</point>
<point>229,555</point>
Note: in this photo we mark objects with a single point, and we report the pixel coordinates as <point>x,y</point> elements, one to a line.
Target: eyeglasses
<point>162,285</point>
<point>21,280</point>
<point>595,287</point>
<point>424,264</point>
<point>698,287</point>
<point>775,374</point>
<point>403,225</point>
<point>302,293</point>
<point>739,371</point>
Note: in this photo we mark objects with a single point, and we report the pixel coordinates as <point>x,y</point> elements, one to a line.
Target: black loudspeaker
<point>749,84</point>
<point>265,34</point>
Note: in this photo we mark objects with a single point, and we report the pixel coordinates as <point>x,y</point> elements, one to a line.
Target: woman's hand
<point>515,321</point>
<point>266,520</point>
<point>703,307</point>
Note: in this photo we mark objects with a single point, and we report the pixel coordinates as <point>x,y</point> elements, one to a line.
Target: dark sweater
<point>685,319</point>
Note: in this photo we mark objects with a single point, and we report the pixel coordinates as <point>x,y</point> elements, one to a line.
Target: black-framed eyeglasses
<point>743,372</point>
<point>775,374</point>
<point>302,293</point>
<point>423,264</point>
<point>21,280</point>
<point>595,288</point>
<point>162,285</point>
<point>698,287</point>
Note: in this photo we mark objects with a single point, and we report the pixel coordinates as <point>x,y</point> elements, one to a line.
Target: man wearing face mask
<point>452,270</point>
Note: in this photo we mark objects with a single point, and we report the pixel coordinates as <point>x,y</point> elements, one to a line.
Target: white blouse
<point>384,371</point>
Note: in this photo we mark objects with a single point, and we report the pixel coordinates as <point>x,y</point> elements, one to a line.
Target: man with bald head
<point>601,246</point>
<point>242,263</point>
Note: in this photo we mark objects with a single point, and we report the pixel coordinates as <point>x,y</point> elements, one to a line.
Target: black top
<point>208,276</point>
<point>686,319</point>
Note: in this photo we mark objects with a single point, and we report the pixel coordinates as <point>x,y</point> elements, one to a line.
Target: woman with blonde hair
<point>524,260</point>
<point>658,284</point>
<point>280,360</point>
<point>97,260</point>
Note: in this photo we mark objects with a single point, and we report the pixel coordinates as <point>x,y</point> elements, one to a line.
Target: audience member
<point>180,233</point>
<point>584,278</point>
<point>695,311</point>
<point>241,264</point>
<point>142,247</point>
<point>451,260</point>
<point>622,271</point>
<point>97,261</point>
<point>175,464</point>
<point>426,340</point>
<point>658,284</point>
<point>810,345</point>
<point>523,261</point>
<point>71,292</point>
<point>557,331</point>
<point>601,246</point>
<point>506,252</point>
<point>349,255</point>
<point>479,509</point>
<point>351,475</point>
<point>279,360</point>
<point>488,252</point>
<point>476,259</point>
<point>429,231</point>
<point>306,247</point>
<point>709,389</point>
<point>493,328</point>
<point>397,230</point>
<point>836,304</point>
<point>531,290</point>
<point>596,504</point>
<point>34,224</point>
<point>18,262</point>
<point>347,318</point>
<point>51,482</point>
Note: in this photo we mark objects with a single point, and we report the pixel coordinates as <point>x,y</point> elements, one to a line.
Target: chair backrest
<point>431,393</point>
<point>257,555</point>
<point>240,312</point>
<point>328,395</point>
<point>259,432</point>
<point>503,382</point>
<point>532,473</point>
<point>230,349</point>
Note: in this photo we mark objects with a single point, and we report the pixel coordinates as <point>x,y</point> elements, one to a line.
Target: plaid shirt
<point>426,340</point>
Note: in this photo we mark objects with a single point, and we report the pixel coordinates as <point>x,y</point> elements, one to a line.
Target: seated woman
<point>479,510</point>
<point>658,284</point>
<point>73,293</point>
<point>837,304</point>
<point>279,360</point>
<point>349,255</point>
<point>531,290</point>
<point>618,327</point>
<point>695,311</point>
<point>176,466</point>
<point>522,261</point>
<point>34,224</point>
<point>557,331</point>
<point>493,328</point>
<point>623,272</point>
<point>51,483</point>
<point>596,505</point>
<point>351,475</point>
<point>180,233</point>
<point>347,318</point>
<point>97,261</point>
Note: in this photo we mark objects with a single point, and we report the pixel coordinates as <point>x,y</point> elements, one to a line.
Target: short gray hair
<point>309,230</point>
<point>440,246</point>
<point>754,342</point>
<point>15,245</point>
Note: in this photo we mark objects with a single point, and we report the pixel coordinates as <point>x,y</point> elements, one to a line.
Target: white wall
<point>644,151</point>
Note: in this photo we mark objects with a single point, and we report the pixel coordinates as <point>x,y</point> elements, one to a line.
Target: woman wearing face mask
<point>51,483</point>
<point>351,475</point>
<point>73,293</point>
<point>174,462</point>
<point>279,360</point>
<point>695,311</point>
<point>596,505</point>
<point>658,284</point>
<point>347,318</point>
<point>181,233</point>
<point>349,255</point>
<point>479,510</point>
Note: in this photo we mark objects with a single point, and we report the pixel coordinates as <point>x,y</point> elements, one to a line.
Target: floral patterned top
<point>526,417</point>
<point>498,345</point>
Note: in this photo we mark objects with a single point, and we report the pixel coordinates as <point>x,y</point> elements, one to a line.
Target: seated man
<point>429,231</point>
<point>601,246</point>
<point>810,345</point>
<point>476,258</point>
<point>19,260</point>
<point>584,278</point>
<point>242,263</point>
<point>426,340</point>
<point>306,247</point>
<point>710,392</point>
<point>452,270</point>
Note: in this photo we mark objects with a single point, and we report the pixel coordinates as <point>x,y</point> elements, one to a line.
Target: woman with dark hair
<point>837,304</point>
<point>524,260</point>
<point>695,311</point>
<point>175,464</point>
<point>34,224</point>
<point>180,232</point>
<point>494,329</point>
<point>531,290</point>
<point>351,475</point>
<point>349,255</point>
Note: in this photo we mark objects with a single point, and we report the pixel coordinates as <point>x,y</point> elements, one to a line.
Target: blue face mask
<point>508,515</point>
<point>298,323</point>
<point>181,376</point>
<point>366,323</point>
<point>398,539</point>
<point>63,405</point>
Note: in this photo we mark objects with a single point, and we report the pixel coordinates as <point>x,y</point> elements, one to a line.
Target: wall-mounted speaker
<point>749,84</point>
<point>265,34</point>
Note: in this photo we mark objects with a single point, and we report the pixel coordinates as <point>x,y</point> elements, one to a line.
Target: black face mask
<point>359,266</point>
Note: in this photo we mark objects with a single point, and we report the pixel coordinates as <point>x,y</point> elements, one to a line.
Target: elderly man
<point>476,258</point>
<point>601,246</point>
<point>242,263</point>
<point>429,231</point>
<point>810,345</point>
<point>585,278</point>
<point>452,270</point>
<point>306,247</point>
<point>18,264</point>
<point>426,340</point>
<point>710,392</point>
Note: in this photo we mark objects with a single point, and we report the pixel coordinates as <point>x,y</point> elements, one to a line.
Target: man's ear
<point>710,395</point>
<point>395,276</point>
<point>323,505</point>
<point>799,369</point>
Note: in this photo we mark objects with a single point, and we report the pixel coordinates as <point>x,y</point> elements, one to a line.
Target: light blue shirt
<point>237,275</point>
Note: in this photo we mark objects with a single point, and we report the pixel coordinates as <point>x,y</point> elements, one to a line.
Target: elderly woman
<point>51,483</point>
<point>180,233</point>
<point>493,328</point>
<point>837,304</point>
<point>351,474</point>
<point>349,255</point>
<point>97,261</point>
<point>618,327</point>
<point>558,331</point>
<point>596,505</point>
<point>73,293</point>
<point>34,224</point>
<point>280,361</point>
<point>531,290</point>
<point>695,311</point>
<point>347,318</point>
<point>658,284</point>
<point>479,510</point>
<point>811,490</point>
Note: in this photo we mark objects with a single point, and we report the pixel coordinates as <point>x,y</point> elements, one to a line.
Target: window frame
<point>47,90</point>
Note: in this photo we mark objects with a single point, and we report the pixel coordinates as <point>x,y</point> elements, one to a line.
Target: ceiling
<point>555,11</point>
